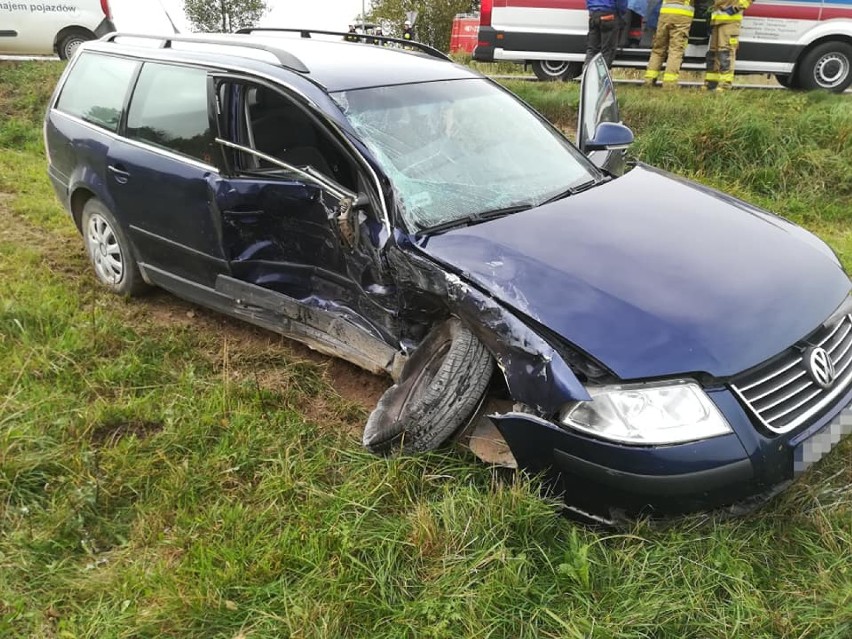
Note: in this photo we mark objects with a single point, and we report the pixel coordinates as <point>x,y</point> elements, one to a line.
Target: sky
<point>147,16</point>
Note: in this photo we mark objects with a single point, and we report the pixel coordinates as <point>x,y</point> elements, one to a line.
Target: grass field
<point>167,472</point>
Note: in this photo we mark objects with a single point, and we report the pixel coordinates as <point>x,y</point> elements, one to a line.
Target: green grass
<point>165,475</point>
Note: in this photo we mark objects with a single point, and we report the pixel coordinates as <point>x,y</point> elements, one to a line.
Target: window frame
<point>211,115</point>
<point>363,174</point>
<point>125,105</point>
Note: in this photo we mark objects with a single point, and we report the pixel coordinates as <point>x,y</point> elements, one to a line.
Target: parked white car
<point>51,27</point>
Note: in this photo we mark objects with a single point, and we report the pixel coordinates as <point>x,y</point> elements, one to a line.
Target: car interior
<point>271,123</point>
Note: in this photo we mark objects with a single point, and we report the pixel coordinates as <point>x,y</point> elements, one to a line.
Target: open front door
<point>299,227</point>
<point>598,105</point>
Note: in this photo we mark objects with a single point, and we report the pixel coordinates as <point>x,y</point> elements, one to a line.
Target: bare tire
<point>556,70</point>
<point>827,66</point>
<point>439,389</point>
<point>68,44</point>
<point>110,251</point>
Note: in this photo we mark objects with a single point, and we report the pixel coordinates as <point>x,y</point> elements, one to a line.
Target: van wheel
<point>827,66</point>
<point>68,44</point>
<point>551,70</point>
<point>109,251</point>
<point>439,390</point>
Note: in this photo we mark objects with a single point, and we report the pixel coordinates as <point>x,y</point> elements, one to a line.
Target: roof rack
<point>285,58</point>
<point>306,33</point>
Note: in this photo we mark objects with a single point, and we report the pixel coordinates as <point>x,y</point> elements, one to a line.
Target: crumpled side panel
<point>535,373</point>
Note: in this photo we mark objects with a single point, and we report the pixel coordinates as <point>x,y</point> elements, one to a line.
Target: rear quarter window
<point>96,88</point>
<point>169,110</point>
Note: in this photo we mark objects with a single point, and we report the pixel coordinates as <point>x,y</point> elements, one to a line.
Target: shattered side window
<point>461,148</point>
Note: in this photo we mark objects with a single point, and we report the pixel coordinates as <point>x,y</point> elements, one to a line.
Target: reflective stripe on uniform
<point>724,17</point>
<point>652,75</point>
<point>711,76</point>
<point>670,77</point>
<point>677,9</point>
<point>726,77</point>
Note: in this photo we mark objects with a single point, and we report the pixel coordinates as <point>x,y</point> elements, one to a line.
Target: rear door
<point>302,229</point>
<point>160,174</point>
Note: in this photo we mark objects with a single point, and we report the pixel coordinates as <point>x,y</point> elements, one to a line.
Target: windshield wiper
<point>467,220</point>
<point>506,210</point>
<point>573,190</point>
<point>475,218</point>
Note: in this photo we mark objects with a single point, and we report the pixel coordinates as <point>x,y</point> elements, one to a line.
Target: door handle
<point>119,172</point>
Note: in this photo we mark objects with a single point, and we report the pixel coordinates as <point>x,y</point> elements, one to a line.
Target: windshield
<point>458,149</point>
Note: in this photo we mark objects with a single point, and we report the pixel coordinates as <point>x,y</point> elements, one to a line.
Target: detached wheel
<point>827,66</point>
<point>109,251</point>
<point>555,70</point>
<point>439,389</point>
<point>69,43</point>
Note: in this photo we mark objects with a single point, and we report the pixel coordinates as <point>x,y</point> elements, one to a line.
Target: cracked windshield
<point>459,150</point>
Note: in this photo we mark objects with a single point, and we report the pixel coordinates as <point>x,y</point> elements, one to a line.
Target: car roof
<point>333,64</point>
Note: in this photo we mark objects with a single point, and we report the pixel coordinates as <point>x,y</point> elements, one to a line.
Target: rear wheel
<point>68,44</point>
<point>827,66</point>
<point>109,250</point>
<point>553,70</point>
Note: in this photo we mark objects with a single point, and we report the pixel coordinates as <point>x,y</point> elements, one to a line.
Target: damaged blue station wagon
<point>684,352</point>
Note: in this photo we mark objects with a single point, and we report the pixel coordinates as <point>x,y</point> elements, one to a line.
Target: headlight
<point>669,413</point>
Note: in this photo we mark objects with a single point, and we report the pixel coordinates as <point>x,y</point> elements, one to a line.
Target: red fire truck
<point>464,34</point>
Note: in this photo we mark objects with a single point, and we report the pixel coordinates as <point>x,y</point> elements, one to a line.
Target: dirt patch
<point>272,361</point>
<point>257,353</point>
<point>110,434</point>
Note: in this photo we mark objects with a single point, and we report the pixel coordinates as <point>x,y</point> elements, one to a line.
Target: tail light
<point>106,9</point>
<point>485,13</point>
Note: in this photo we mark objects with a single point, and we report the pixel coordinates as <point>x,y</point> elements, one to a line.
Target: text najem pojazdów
<point>37,8</point>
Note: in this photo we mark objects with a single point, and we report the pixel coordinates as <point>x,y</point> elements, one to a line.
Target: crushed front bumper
<point>610,480</point>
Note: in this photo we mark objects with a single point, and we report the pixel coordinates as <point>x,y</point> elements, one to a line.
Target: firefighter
<point>636,12</point>
<point>725,23</point>
<point>606,18</point>
<point>407,31</point>
<point>352,34</point>
<point>670,41</point>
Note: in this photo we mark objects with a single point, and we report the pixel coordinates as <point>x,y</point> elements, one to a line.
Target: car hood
<point>653,275</point>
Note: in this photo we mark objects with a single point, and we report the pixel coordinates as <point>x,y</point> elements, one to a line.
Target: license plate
<point>818,445</point>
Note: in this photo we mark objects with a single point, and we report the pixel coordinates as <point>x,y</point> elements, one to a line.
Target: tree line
<point>433,25</point>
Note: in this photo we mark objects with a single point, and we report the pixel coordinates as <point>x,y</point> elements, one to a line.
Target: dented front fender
<point>536,374</point>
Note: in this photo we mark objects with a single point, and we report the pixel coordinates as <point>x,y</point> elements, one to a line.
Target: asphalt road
<point>28,57</point>
<point>772,87</point>
<point>529,78</point>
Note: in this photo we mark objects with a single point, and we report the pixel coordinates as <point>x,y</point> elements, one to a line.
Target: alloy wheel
<point>103,246</point>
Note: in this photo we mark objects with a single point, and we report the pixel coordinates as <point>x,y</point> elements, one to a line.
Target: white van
<point>805,43</point>
<point>47,27</point>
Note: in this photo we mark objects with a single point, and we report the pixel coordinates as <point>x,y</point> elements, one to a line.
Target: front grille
<point>783,395</point>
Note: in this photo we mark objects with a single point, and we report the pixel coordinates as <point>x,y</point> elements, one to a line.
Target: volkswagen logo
<point>820,366</point>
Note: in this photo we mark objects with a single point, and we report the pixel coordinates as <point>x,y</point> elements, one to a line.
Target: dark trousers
<point>603,35</point>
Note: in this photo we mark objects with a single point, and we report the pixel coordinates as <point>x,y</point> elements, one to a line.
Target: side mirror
<point>609,136</point>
